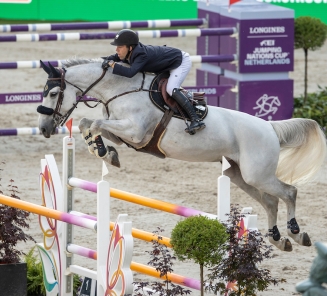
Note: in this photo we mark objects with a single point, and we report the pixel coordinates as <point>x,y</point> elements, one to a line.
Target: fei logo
<point>16,1</point>
<point>267,105</point>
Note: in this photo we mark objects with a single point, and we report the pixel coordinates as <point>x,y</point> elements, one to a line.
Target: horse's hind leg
<point>268,202</point>
<point>264,179</point>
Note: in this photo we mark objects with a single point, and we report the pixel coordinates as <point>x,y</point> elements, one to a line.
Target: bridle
<point>60,119</point>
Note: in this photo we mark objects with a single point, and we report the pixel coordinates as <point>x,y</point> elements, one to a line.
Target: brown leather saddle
<point>169,106</point>
<point>161,99</point>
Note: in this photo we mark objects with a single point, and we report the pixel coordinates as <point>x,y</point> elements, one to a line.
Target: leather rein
<point>61,119</point>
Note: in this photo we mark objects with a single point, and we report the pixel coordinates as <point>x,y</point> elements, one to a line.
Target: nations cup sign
<point>266,45</point>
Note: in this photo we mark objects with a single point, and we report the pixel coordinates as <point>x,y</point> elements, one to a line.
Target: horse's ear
<point>54,71</point>
<point>45,67</point>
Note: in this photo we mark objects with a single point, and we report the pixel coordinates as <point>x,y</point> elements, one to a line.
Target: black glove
<point>105,64</point>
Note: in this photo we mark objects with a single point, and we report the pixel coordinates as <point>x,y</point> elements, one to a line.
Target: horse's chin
<point>48,130</point>
<point>46,133</point>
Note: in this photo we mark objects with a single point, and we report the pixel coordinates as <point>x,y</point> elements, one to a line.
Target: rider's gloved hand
<point>105,64</point>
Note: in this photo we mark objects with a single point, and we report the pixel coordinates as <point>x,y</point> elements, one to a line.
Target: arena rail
<point>113,25</point>
<point>58,63</point>
<point>112,35</point>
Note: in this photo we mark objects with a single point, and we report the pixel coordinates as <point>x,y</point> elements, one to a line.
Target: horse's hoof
<point>306,241</point>
<point>113,156</point>
<point>287,245</point>
<point>283,244</point>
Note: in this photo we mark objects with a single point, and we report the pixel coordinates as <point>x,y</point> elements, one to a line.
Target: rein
<point>61,119</point>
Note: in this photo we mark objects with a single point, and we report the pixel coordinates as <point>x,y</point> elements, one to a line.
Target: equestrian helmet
<point>125,37</point>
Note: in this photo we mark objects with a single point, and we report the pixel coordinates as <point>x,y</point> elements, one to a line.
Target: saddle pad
<point>157,99</point>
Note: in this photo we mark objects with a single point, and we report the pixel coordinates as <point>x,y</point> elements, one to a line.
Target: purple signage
<point>266,45</point>
<point>269,100</point>
<point>15,98</point>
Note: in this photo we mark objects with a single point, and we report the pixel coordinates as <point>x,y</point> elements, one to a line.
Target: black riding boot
<point>196,123</point>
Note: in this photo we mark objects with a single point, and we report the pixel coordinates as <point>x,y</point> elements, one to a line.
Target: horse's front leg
<point>122,128</point>
<point>84,127</point>
<point>117,129</point>
<point>108,153</point>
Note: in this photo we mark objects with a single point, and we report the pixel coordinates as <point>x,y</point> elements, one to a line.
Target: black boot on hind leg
<point>196,123</point>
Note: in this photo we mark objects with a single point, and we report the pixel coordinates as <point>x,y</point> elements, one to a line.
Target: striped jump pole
<point>112,35</point>
<point>141,200</point>
<point>31,131</point>
<point>140,268</point>
<point>58,63</point>
<point>113,25</point>
<point>46,212</point>
<point>136,233</point>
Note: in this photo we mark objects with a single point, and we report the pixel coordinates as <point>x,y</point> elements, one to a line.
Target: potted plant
<point>13,272</point>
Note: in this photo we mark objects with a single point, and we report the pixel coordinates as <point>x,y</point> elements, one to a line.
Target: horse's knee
<point>84,123</point>
<point>96,126</point>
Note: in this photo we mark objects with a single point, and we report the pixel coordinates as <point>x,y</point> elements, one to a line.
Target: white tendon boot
<point>86,135</point>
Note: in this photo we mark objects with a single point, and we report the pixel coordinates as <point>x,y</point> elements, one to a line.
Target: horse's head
<point>54,110</point>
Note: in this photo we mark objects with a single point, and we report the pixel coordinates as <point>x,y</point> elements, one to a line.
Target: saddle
<point>161,99</point>
<point>169,106</point>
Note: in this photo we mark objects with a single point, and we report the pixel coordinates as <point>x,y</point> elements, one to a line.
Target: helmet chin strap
<point>129,54</point>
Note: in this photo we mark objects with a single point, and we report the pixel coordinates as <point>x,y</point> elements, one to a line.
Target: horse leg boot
<point>196,123</point>
<point>87,136</point>
<point>108,154</point>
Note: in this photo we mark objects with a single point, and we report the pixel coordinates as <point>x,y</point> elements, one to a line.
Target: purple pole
<point>102,25</point>
<point>112,35</point>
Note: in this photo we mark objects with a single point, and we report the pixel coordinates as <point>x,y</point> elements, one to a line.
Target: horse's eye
<point>53,94</point>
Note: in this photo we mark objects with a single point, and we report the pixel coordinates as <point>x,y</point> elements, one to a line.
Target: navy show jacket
<point>148,58</point>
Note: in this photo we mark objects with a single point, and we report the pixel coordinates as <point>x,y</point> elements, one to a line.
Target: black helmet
<point>125,37</point>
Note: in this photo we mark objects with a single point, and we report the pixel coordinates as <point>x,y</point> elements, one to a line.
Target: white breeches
<point>178,75</point>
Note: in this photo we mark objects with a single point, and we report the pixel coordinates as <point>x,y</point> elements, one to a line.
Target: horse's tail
<point>303,149</point>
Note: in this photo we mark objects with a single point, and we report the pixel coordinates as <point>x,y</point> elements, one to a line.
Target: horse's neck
<point>110,85</point>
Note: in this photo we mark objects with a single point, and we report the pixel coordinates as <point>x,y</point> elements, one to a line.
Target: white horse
<point>265,156</point>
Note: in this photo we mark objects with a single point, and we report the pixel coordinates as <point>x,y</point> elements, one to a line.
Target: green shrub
<point>34,274</point>
<point>200,239</point>
<point>309,34</point>
<point>35,284</point>
<point>314,108</point>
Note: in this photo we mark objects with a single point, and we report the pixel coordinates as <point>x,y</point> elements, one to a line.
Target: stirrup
<point>195,129</point>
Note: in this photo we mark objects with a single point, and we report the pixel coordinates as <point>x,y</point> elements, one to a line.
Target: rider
<point>155,59</point>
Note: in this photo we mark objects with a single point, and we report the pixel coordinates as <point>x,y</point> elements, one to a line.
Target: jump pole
<point>113,25</point>
<point>112,35</point>
<point>58,63</point>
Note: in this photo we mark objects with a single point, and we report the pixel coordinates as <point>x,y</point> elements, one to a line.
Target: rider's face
<point>122,51</point>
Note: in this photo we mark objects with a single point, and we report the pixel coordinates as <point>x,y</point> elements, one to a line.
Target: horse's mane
<point>79,61</point>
